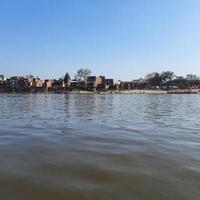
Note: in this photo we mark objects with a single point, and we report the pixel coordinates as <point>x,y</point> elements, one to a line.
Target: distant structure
<point>2,83</point>
<point>83,81</point>
<point>140,80</point>
<point>67,80</point>
<point>191,77</point>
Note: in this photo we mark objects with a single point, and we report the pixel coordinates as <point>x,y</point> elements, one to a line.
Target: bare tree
<point>82,75</point>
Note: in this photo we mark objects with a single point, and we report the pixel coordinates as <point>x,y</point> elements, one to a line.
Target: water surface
<point>99,147</point>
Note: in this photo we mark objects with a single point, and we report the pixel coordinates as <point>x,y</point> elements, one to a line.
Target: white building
<point>192,77</point>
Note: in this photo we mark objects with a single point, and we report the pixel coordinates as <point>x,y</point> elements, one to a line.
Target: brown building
<point>2,85</point>
<point>39,83</point>
<point>58,85</point>
<point>36,85</point>
<point>48,84</point>
<point>16,84</point>
<point>96,83</point>
<point>77,85</point>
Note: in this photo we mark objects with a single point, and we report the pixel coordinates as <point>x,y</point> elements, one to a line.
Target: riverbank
<point>186,91</point>
<point>121,92</point>
<point>191,91</point>
<point>139,92</point>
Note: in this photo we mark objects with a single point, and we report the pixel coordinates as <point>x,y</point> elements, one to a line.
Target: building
<point>58,85</point>
<point>36,85</point>
<point>30,82</point>
<point>138,81</point>
<point>192,77</point>
<point>16,84</point>
<point>2,84</point>
<point>77,84</point>
<point>96,83</point>
<point>48,84</point>
<point>39,83</point>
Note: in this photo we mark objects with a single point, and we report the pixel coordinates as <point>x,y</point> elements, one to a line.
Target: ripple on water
<point>100,147</point>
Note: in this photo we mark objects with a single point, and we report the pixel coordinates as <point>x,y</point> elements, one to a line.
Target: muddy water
<point>102,147</point>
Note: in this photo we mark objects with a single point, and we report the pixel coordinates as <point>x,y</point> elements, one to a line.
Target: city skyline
<point>119,39</point>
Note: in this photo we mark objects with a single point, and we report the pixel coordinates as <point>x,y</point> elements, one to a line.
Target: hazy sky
<point>124,39</point>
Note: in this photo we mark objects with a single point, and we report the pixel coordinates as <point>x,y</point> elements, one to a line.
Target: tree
<point>29,76</point>
<point>167,76</point>
<point>82,75</point>
<point>181,83</point>
<point>61,79</point>
<point>154,79</point>
<point>179,77</point>
<point>2,76</point>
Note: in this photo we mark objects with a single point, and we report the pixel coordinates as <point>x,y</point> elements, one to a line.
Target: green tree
<point>61,79</point>
<point>154,79</point>
<point>30,76</point>
<point>2,76</point>
<point>167,76</point>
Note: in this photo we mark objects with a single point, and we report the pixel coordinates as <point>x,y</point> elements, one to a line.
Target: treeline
<point>166,80</point>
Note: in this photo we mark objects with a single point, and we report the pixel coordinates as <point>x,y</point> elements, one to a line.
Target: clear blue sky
<point>124,39</point>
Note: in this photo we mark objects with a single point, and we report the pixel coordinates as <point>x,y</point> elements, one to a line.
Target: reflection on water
<point>102,147</point>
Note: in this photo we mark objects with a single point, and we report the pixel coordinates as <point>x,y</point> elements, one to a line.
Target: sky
<point>121,39</point>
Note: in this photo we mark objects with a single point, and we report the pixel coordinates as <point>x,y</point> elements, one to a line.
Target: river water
<point>99,147</point>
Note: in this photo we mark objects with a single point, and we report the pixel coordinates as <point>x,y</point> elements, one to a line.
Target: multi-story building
<point>48,84</point>
<point>2,84</point>
<point>39,83</point>
<point>140,80</point>
<point>16,84</point>
<point>36,85</point>
<point>77,84</point>
<point>96,83</point>
<point>192,77</point>
<point>58,85</point>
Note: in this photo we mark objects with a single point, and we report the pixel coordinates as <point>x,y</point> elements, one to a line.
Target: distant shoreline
<point>113,92</point>
<point>140,92</point>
